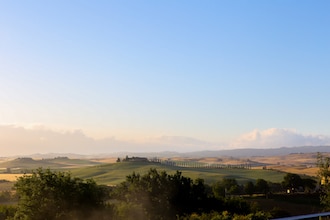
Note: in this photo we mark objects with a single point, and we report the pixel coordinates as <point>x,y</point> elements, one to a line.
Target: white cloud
<point>278,137</point>
<point>181,144</point>
<point>15,140</point>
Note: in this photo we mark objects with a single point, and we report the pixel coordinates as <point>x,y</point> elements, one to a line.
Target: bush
<point>56,195</point>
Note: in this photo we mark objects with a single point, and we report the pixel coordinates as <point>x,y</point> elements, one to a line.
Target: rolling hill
<point>27,163</point>
<point>112,174</point>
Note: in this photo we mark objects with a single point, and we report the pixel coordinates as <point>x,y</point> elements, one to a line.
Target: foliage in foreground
<point>225,215</point>
<point>158,195</point>
<point>323,164</point>
<point>56,195</point>
<point>155,195</point>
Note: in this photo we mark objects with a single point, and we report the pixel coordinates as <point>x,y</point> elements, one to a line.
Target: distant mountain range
<point>245,152</point>
<point>261,152</point>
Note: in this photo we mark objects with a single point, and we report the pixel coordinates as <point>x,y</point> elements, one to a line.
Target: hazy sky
<point>136,71</point>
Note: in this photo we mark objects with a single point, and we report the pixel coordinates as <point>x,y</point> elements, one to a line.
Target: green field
<point>21,165</point>
<point>115,173</point>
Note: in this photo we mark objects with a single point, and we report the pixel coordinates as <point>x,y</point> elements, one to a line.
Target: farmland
<point>112,174</point>
<point>106,171</point>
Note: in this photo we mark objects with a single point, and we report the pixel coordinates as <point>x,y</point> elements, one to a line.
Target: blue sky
<point>133,70</point>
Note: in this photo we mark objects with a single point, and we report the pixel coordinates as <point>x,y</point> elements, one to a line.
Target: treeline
<point>155,195</point>
<point>190,164</point>
<point>205,165</point>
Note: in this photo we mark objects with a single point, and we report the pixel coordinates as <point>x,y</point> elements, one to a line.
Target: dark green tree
<point>51,195</point>
<point>225,187</point>
<point>249,188</point>
<point>323,164</point>
<point>309,184</point>
<point>146,196</point>
<point>158,195</point>
<point>262,186</point>
<point>292,181</point>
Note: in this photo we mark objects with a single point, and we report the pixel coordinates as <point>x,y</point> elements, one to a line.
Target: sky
<point>107,76</point>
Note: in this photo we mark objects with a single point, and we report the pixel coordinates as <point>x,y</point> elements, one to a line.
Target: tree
<point>262,186</point>
<point>249,188</point>
<point>323,164</point>
<point>309,184</point>
<point>292,181</point>
<point>50,195</point>
<point>149,196</point>
<point>158,195</point>
<point>227,186</point>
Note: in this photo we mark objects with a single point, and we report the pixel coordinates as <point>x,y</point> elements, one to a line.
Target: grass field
<point>301,170</point>
<point>115,173</point>
<point>20,165</point>
<point>112,174</point>
<point>10,176</point>
<point>7,181</point>
<point>292,204</point>
<point>107,171</point>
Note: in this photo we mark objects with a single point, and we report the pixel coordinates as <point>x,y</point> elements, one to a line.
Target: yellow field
<point>106,160</point>
<point>10,176</point>
<point>292,163</point>
<point>310,171</point>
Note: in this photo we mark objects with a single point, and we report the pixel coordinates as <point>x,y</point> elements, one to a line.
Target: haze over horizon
<point>109,76</point>
<point>17,141</point>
